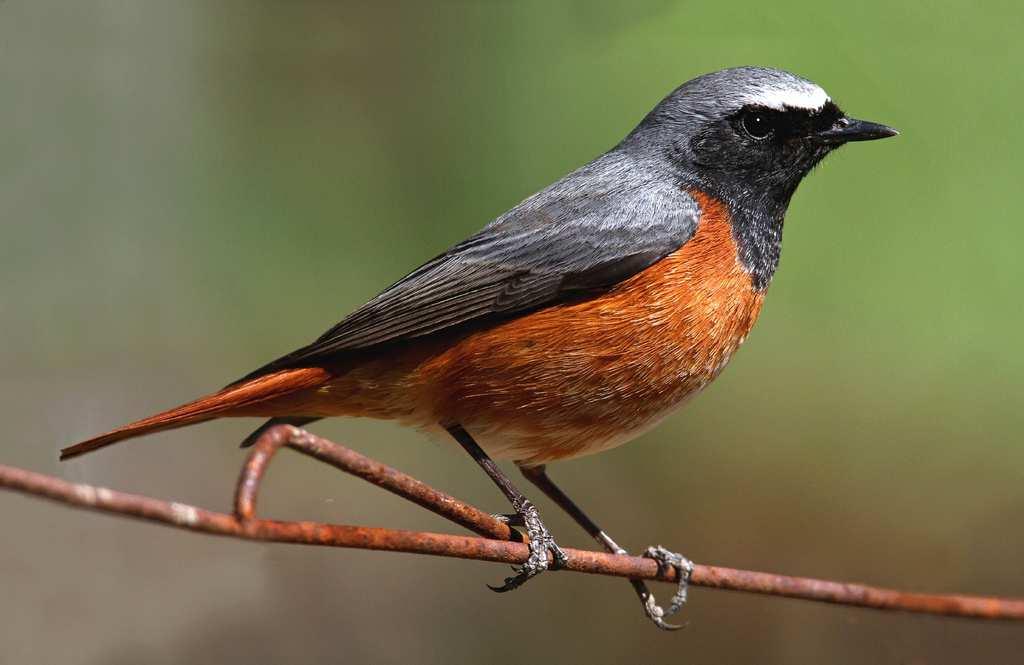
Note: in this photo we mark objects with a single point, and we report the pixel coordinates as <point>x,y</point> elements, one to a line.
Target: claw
<point>684,568</point>
<point>656,614</point>
<point>511,519</point>
<point>541,543</point>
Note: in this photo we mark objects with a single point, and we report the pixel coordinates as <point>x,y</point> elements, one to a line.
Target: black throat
<point>756,221</point>
<point>757,230</point>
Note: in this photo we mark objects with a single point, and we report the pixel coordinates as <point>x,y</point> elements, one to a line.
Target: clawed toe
<point>541,543</point>
<point>511,519</point>
<point>684,568</point>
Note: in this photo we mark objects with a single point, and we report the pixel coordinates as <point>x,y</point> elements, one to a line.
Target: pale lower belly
<point>544,441</point>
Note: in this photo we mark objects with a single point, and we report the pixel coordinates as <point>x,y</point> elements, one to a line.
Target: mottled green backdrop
<point>188,189</point>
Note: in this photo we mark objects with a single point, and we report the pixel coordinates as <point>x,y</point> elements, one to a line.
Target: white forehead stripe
<point>798,94</point>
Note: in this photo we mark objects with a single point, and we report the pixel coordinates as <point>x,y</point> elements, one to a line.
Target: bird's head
<point>750,134</point>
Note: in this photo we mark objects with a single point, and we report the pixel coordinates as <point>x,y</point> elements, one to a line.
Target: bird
<point>581,317</point>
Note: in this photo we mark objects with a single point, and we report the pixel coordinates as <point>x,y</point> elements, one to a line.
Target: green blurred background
<point>188,189</point>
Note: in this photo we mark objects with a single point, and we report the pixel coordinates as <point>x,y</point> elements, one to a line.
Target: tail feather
<point>235,400</point>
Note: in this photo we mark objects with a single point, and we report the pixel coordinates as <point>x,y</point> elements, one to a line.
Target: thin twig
<point>495,546</point>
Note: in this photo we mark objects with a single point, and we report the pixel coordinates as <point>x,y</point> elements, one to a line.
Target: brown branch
<point>496,544</point>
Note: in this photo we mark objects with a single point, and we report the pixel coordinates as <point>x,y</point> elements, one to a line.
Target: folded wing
<point>560,244</point>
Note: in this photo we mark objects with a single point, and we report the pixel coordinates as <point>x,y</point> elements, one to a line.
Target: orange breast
<point>569,379</point>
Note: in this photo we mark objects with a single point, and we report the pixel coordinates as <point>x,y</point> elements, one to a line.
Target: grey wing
<point>545,251</point>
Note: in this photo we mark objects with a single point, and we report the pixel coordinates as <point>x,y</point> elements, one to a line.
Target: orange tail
<point>235,400</point>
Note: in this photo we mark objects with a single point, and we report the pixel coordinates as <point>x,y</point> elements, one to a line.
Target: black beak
<point>850,129</point>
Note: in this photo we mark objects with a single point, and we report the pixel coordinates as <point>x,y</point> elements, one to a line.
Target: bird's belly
<point>572,391</point>
<point>540,441</point>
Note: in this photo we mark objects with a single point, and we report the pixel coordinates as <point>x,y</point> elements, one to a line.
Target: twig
<point>494,546</point>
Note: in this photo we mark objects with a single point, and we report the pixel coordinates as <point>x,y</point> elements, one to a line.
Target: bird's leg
<point>541,541</point>
<point>538,476</point>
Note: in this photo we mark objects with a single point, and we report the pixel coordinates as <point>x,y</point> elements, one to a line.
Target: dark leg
<point>538,476</point>
<point>540,540</point>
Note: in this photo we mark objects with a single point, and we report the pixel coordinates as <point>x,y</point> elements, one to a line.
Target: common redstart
<point>581,317</point>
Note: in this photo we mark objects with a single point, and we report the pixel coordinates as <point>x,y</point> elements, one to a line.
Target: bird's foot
<point>684,568</point>
<point>541,543</point>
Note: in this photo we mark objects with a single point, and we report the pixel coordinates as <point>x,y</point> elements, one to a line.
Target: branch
<point>495,540</point>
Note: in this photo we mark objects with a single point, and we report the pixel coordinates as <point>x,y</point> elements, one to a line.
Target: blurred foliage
<point>188,189</point>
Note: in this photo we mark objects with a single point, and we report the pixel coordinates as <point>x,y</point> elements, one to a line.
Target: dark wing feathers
<point>554,246</point>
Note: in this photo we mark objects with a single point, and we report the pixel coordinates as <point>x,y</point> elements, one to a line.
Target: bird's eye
<point>758,124</point>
